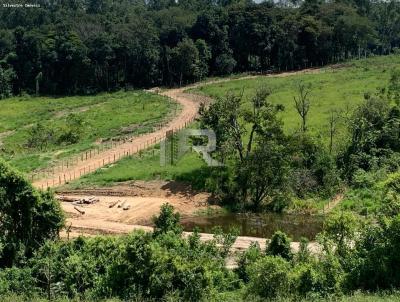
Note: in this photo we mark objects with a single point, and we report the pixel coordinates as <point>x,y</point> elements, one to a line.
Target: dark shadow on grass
<point>191,183</point>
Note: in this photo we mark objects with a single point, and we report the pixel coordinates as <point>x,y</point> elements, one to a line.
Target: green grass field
<point>334,88</point>
<point>146,166</point>
<point>105,116</point>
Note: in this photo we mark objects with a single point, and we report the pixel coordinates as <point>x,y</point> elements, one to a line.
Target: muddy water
<point>259,225</point>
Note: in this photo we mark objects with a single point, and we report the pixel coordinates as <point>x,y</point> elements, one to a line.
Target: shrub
<point>280,246</point>
<point>307,279</point>
<point>167,221</point>
<point>378,257</point>
<point>341,229</point>
<point>246,259</point>
<point>73,131</point>
<point>40,136</point>
<point>269,277</point>
<point>18,281</point>
<point>392,183</point>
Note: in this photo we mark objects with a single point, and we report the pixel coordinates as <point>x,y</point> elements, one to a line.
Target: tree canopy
<point>86,46</point>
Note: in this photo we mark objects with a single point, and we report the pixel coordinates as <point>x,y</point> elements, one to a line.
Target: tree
<point>6,78</point>
<point>374,128</point>
<point>167,221</point>
<point>262,177</point>
<point>254,139</point>
<point>302,103</point>
<point>341,229</point>
<point>394,86</point>
<point>184,61</point>
<point>333,121</point>
<point>28,217</point>
<point>204,58</point>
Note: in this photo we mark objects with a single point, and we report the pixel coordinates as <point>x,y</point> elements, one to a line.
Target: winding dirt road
<point>190,104</point>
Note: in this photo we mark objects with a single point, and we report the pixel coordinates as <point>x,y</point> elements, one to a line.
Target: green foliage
<point>373,139</point>
<point>225,240</point>
<point>269,278</point>
<point>246,259</point>
<point>185,61</point>
<point>394,86</point>
<point>303,255</point>
<point>167,221</point>
<point>6,77</point>
<point>18,281</point>
<point>139,264</point>
<point>392,183</point>
<point>252,142</point>
<point>307,279</point>
<point>280,246</point>
<point>40,136</point>
<point>74,130</point>
<point>140,44</point>
<point>377,256</point>
<point>28,217</point>
<point>341,229</point>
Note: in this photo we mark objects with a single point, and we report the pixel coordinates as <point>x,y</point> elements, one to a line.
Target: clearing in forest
<point>38,131</point>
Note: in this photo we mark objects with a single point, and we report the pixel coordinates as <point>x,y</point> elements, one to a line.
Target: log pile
<point>78,201</point>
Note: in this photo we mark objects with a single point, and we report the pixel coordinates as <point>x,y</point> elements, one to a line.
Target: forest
<point>87,46</point>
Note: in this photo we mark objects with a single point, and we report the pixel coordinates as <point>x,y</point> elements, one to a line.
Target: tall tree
<point>302,103</point>
<point>28,217</point>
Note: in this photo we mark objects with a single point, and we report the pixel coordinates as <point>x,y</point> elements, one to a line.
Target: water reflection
<point>259,225</point>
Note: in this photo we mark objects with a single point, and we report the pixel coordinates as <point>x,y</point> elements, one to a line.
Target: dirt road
<point>190,105</point>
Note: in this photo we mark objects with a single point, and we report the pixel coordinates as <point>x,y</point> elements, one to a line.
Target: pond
<point>259,225</point>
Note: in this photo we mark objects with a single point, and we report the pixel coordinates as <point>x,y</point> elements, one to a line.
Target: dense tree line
<point>85,46</point>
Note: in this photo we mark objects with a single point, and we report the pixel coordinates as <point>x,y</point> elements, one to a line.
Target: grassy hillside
<point>339,87</point>
<point>102,117</point>
<point>336,87</point>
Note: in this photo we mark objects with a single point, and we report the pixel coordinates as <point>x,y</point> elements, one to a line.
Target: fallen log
<point>67,199</point>
<point>80,211</point>
<point>113,204</point>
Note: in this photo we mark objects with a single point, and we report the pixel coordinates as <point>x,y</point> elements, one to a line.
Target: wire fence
<point>103,155</point>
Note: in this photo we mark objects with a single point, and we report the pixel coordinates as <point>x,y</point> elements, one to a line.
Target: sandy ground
<point>144,200</point>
